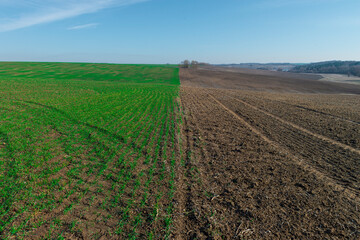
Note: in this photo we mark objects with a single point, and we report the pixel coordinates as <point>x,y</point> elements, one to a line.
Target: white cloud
<point>90,25</point>
<point>25,13</point>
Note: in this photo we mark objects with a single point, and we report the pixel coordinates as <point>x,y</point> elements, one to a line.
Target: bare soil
<point>264,162</point>
<point>260,80</point>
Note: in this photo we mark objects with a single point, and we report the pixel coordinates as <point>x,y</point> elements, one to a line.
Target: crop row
<point>87,159</point>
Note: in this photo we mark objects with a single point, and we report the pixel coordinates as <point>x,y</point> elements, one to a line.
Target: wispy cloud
<point>24,13</point>
<point>90,25</point>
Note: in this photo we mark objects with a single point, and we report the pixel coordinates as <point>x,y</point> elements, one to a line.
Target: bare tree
<point>185,64</point>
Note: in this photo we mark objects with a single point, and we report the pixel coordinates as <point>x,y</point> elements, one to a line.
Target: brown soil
<point>265,165</point>
<point>259,80</point>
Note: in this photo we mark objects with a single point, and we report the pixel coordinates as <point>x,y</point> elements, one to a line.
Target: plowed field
<point>268,163</point>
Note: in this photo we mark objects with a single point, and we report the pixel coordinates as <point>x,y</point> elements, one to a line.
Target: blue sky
<point>168,31</point>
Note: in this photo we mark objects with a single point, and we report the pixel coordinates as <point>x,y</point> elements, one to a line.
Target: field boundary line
<point>266,139</point>
<point>350,192</point>
<point>321,137</point>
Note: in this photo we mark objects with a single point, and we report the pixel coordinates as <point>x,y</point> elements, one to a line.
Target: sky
<point>169,31</point>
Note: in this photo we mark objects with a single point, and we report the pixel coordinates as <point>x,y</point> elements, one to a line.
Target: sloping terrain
<point>265,165</point>
<point>106,151</point>
<point>258,80</point>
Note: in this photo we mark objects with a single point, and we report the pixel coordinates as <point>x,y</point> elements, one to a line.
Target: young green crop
<point>87,148</point>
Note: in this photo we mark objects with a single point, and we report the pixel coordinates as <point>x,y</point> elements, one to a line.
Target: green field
<point>88,150</point>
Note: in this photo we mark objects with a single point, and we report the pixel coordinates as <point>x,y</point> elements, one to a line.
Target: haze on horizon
<point>169,31</point>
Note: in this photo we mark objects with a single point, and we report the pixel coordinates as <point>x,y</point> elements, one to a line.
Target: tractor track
<point>321,137</point>
<point>352,193</point>
<point>263,175</point>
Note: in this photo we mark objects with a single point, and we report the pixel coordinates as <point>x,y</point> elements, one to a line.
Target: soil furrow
<point>321,137</point>
<point>263,178</point>
<point>351,193</point>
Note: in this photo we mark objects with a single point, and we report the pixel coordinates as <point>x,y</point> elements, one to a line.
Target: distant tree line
<point>333,67</point>
<point>191,64</point>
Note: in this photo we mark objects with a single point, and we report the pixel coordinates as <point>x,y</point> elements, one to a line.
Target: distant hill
<point>332,67</point>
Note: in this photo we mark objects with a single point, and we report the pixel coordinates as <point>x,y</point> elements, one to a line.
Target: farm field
<point>88,151</point>
<point>272,157</point>
<point>106,151</point>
